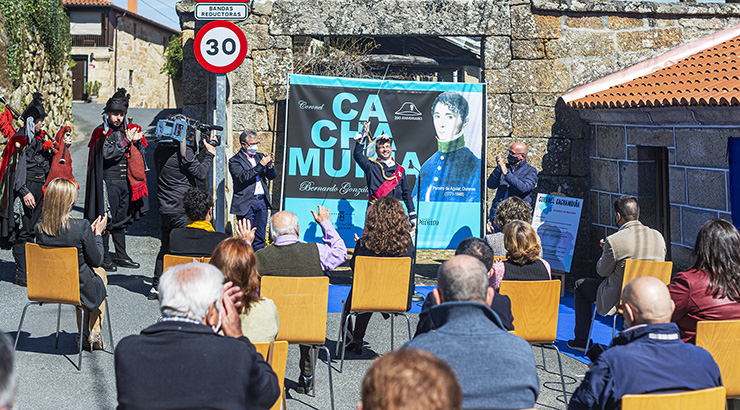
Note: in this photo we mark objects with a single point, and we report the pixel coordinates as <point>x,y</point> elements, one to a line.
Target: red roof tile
<point>88,2</point>
<point>707,73</point>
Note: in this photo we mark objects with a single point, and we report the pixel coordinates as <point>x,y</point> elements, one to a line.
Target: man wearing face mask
<point>250,171</point>
<point>383,175</point>
<point>513,177</point>
<point>116,180</point>
<point>453,173</point>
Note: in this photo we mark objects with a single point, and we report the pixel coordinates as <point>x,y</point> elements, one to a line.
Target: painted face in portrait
<point>447,124</point>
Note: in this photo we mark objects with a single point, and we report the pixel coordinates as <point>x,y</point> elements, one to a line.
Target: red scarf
<point>389,185</point>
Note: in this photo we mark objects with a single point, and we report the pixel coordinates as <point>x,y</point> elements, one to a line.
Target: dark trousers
<point>27,232</point>
<point>585,296</point>
<point>169,222</point>
<point>257,216</point>
<point>119,241</point>
<point>305,361</point>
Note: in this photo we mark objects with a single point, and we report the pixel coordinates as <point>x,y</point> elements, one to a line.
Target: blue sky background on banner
<point>324,113</point>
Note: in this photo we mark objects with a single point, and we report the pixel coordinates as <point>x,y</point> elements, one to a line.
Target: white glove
<point>358,137</point>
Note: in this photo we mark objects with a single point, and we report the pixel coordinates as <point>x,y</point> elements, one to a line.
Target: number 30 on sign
<point>220,46</point>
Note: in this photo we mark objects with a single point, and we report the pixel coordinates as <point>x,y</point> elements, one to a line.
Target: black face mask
<point>512,159</point>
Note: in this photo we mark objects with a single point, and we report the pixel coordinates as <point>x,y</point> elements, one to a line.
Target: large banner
<point>556,220</point>
<point>436,129</point>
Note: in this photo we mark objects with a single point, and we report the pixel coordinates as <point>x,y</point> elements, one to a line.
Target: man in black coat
<point>179,168</point>
<point>182,361</point>
<point>250,171</point>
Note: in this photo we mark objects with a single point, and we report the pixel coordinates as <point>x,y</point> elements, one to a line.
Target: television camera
<point>180,128</point>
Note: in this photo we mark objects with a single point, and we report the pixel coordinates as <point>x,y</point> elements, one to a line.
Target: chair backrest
<point>499,259</point>
<point>53,274</point>
<point>380,284</point>
<point>634,268</point>
<point>706,399</point>
<point>174,260</point>
<point>534,306</point>
<point>302,305</point>
<point>721,338</point>
<point>279,360</point>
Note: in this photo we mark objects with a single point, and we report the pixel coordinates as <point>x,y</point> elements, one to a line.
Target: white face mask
<point>252,149</point>
<point>218,326</point>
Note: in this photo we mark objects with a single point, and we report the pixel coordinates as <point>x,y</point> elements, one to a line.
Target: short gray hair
<point>8,381</point>
<point>288,224</point>
<point>188,290</point>
<point>463,278</point>
<point>247,134</point>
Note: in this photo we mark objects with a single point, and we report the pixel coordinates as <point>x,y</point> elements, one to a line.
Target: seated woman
<point>522,252</point>
<point>710,290</point>
<point>386,234</point>
<point>510,209</point>
<point>58,228</point>
<point>259,316</point>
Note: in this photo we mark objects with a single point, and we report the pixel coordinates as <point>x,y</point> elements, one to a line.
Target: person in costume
<point>116,182</point>
<point>452,174</point>
<point>383,175</point>
<point>25,165</point>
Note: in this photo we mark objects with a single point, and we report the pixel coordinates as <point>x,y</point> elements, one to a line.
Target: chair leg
<point>314,358</point>
<point>562,377</point>
<point>392,333</point>
<point>591,329</point>
<point>331,383</point>
<point>82,326</point>
<point>23,316</point>
<point>345,327</point>
<point>614,325</point>
<point>110,328</point>
<point>544,363</point>
<point>408,323</point>
<point>59,317</point>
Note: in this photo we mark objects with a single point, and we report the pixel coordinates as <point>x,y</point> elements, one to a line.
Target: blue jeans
<point>257,216</point>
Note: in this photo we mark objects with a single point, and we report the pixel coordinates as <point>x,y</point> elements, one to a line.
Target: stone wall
<point>533,52</point>
<point>698,176</point>
<point>140,54</point>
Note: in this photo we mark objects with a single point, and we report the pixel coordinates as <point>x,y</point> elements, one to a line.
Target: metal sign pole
<point>219,183</point>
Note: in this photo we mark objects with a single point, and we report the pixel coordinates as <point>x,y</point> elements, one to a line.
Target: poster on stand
<point>437,136</point>
<point>556,220</point>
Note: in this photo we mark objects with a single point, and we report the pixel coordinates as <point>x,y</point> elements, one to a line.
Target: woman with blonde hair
<point>386,234</point>
<point>59,228</point>
<point>522,256</point>
<point>259,316</point>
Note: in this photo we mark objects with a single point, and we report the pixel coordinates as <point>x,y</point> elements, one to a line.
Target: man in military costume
<point>116,182</point>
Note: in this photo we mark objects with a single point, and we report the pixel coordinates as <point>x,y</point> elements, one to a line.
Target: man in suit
<point>182,362</point>
<point>633,240</point>
<point>512,177</point>
<point>250,169</point>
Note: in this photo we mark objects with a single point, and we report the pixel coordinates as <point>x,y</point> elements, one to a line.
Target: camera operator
<point>179,167</point>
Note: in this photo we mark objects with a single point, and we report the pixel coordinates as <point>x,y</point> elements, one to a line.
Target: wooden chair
<point>534,306</point>
<point>378,285</point>
<point>706,399</point>
<point>721,338</point>
<point>302,304</point>
<point>173,260</point>
<point>54,277</point>
<point>634,268</point>
<point>276,355</point>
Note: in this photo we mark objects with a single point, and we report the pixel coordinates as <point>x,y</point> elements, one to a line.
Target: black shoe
<point>21,282</point>
<point>579,345</point>
<point>305,384</point>
<point>126,263</point>
<point>110,267</point>
<point>153,294</point>
<point>355,346</point>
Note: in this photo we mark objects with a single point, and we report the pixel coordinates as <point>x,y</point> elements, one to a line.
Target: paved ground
<point>47,378</point>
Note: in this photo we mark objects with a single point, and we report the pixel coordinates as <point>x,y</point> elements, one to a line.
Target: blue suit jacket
<point>245,177</point>
<point>519,181</point>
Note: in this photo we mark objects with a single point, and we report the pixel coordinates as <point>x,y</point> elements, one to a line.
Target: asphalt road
<point>48,379</point>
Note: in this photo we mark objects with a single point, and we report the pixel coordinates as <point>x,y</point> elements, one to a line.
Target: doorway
<point>79,77</point>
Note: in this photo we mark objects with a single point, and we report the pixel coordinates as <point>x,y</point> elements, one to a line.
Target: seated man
<point>182,361</point>
<point>501,304</point>
<point>495,368</point>
<point>647,357</point>
<point>290,257</point>
<point>410,379</point>
<point>198,238</point>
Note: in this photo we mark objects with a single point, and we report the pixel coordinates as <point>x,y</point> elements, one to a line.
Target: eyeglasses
<point>515,153</point>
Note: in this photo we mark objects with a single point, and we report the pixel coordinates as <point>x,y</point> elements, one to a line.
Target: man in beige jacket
<point>633,240</point>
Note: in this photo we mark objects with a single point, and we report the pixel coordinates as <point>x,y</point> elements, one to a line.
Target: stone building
<point>120,48</point>
<point>533,52</point>
<point>659,132</point>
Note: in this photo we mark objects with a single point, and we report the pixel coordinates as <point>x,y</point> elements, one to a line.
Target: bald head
<point>463,278</point>
<point>283,223</point>
<point>647,301</point>
<point>519,148</point>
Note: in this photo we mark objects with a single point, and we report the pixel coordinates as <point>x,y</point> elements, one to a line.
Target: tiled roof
<point>708,76</point>
<point>88,2</point>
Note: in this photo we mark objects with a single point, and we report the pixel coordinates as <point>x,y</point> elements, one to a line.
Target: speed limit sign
<point>220,46</point>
